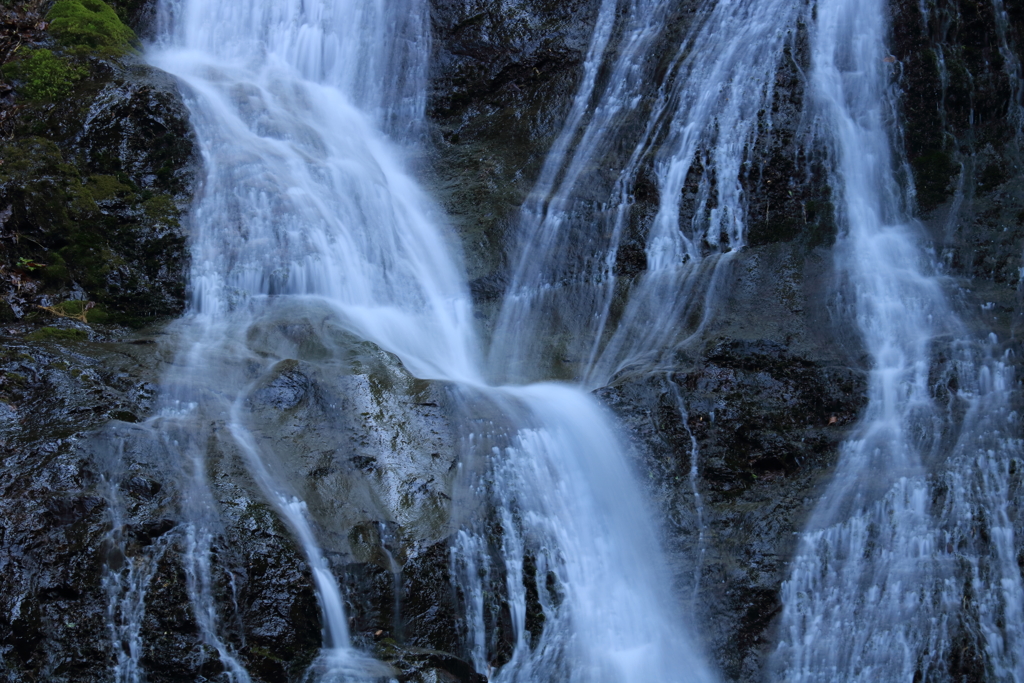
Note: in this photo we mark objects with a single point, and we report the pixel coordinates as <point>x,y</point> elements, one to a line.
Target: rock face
<point>735,438</point>
<point>503,78</point>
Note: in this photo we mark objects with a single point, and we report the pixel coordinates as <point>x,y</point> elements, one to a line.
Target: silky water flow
<point>907,555</point>
<point>564,310</point>
<point>305,113</point>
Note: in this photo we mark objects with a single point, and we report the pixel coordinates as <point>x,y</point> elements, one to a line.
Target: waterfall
<point>877,588</point>
<point>580,568</point>
<point>298,107</point>
<point>307,114</point>
<point>1011,67</point>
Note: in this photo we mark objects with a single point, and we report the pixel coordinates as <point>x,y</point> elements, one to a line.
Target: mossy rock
<point>86,311</point>
<point>162,209</point>
<point>105,187</point>
<point>37,181</point>
<point>90,26</point>
<point>127,256</point>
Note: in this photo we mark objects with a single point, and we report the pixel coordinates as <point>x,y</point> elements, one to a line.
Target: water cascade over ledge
<point>313,248</point>
<point>322,267</point>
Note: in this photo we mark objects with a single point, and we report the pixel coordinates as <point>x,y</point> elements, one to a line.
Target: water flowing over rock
<point>524,341</point>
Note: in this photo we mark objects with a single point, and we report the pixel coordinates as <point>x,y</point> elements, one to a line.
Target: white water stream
<point>910,554</point>
<point>891,583</point>
<point>711,107</point>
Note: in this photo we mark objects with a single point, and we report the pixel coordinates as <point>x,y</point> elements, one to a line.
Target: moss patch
<point>85,26</point>
<point>116,254</point>
<point>44,75</point>
<point>57,334</point>
<point>161,208</point>
<point>104,187</point>
<point>86,311</point>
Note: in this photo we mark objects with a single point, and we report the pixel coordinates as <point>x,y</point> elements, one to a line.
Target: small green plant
<point>28,264</point>
<point>45,76</point>
<point>90,25</point>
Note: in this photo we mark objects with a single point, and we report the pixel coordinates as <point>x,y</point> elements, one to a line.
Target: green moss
<point>56,271</point>
<point>87,311</point>
<point>44,75</point>
<point>100,316</point>
<point>32,155</point>
<point>36,180</point>
<point>69,308</point>
<point>161,208</point>
<point>16,378</point>
<point>103,187</point>
<point>57,334</point>
<point>90,26</point>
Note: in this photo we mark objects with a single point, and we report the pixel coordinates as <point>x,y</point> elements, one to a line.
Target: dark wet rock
<point>409,619</point>
<point>54,510</point>
<point>503,77</point>
<point>735,446</point>
<point>364,445</point>
<point>737,437</point>
<point>963,134</point>
<point>140,15</point>
<point>93,190</point>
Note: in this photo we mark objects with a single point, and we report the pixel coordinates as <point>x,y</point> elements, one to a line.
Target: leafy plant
<point>28,264</point>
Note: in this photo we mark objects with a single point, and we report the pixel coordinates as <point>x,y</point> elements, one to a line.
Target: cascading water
<point>877,587</point>
<point>876,590</point>
<point>717,91</point>
<point>304,111</point>
<point>1011,66</point>
<point>306,216</point>
<point>126,581</point>
<point>580,571</point>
